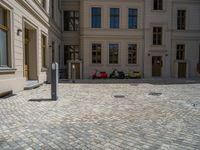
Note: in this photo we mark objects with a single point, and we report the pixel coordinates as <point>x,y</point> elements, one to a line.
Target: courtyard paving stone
<point>90,117</point>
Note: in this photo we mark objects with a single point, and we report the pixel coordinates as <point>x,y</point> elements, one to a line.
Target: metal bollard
<point>54,81</point>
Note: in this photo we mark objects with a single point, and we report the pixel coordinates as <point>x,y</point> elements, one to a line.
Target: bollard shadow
<point>41,100</point>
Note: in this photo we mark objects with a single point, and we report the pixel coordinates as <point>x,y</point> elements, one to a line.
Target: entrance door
<point>75,70</point>
<point>182,70</point>
<point>26,54</point>
<point>156,66</point>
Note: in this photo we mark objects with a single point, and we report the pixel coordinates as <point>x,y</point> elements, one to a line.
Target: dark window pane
<point>158,5</point>
<point>114,18</point>
<point>157,35</point>
<point>132,18</point>
<point>71,20</point>
<point>113,53</point>
<point>181,19</point>
<point>96,17</point>
<point>3,48</point>
<point>96,53</point>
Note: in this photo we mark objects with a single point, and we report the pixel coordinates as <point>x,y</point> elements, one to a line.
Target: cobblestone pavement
<point>89,116</point>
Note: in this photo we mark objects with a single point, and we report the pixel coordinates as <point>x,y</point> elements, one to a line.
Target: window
<point>157,35</point>
<point>59,5</point>
<point>113,53</point>
<point>199,54</point>
<point>96,17</point>
<point>71,52</point>
<point>44,51</point>
<point>158,5</point>
<point>180,52</point>
<point>181,19</point>
<point>71,20</point>
<point>132,18</point>
<point>4,37</point>
<point>53,51</point>
<point>52,9</point>
<point>96,53</point>
<point>132,54</point>
<point>114,17</point>
<point>43,3</point>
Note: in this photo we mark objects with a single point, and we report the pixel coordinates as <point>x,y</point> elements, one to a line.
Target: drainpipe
<point>143,50</point>
<point>170,55</point>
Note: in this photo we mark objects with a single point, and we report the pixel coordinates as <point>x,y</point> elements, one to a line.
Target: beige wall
<point>123,36</point>
<point>143,36</point>
<point>21,11</point>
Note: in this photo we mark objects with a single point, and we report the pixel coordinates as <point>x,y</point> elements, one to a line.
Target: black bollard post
<point>54,81</point>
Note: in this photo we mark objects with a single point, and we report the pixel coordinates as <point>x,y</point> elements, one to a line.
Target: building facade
<point>158,38</point>
<point>27,30</point>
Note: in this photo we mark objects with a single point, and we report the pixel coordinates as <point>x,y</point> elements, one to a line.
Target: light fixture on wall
<point>19,31</point>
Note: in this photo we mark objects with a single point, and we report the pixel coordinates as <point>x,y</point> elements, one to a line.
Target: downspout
<point>170,55</point>
<point>143,50</point>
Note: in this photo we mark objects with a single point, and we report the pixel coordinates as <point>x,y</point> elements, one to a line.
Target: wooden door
<point>75,70</point>
<point>26,55</point>
<point>182,70</point>
<point>156,66</point>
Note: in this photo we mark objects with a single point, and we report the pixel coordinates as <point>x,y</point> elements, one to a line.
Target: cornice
<point>34,12</point>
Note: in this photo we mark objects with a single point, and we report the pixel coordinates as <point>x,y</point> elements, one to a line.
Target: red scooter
<point>99,75</point>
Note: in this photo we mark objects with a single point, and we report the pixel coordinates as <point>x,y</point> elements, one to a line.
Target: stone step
<point>32,84</point>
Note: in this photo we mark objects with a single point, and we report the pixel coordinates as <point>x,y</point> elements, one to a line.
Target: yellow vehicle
<point>133,75</point>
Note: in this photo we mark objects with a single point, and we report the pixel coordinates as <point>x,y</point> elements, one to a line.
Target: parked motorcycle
<point>133,75</point>
<point>115,74</point>
<point>99,75</point>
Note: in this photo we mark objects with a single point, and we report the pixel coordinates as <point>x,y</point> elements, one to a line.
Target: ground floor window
<point>180,52</point>
<point>96,53</point>
<point>4,37</point>
<point>132,53</point>
<point>71,52</point>
<point>44,51</point>
<point>113,53</point>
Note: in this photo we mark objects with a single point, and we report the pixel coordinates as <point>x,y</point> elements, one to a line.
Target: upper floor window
<point>43,3</point>
<point>59,4</point>
<point>113,53</point>
<point>52,9</point>
<point>53,52</point>
<point>158,5</point>
<point>132,18</point>
<point>96,53</point>
<point>96,17</point>
<point>114,17</point>
<point>132,54</point>
<point>181,19</point>
<point>71,20</point>
<point>180,52</point>
<point>157,35</point>
<point>44,45</point>
<point>4,29</point>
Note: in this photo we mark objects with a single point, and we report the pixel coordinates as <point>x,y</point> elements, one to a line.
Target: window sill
<point>44,70</point>
<point>158,11</point>
<point>132,65</point>
<point>7,70</point>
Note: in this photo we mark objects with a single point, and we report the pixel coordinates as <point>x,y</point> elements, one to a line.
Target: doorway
<point>182,70</point>
<point>26,54</point>
<point>75,70</point>
<point>157,66</point>
<point>30,52</point>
